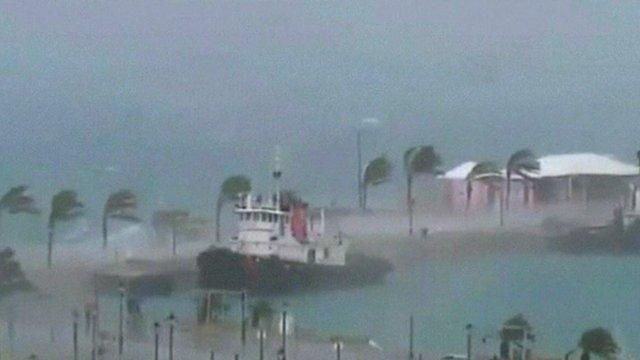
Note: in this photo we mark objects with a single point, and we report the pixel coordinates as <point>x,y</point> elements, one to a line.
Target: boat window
<point>326,253</point>
<point>255,216</point>
<point>264,217</point>
<point>270,218</point>
<point>275,218</point>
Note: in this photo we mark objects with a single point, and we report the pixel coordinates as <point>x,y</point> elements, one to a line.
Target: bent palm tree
<point>64,207</point>
<point>598,341</point>
<point>261,314</point>
<point>377,171</point>
<point>176,220</point>
<point>486,171</point>
<point>521,163</point>
<point>120,205</point>
<point>13,278</point>
<point>16,201</point>
<point>231,189</point>
<point>418,160</point>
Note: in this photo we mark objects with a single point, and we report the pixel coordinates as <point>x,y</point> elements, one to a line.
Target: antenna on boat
<point>277,174</point>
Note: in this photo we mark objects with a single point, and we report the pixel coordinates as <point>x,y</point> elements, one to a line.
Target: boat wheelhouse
<point>287,230</point>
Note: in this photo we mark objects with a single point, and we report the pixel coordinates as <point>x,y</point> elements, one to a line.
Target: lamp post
<point>469,329</point>
<point>156,335</point>
<point>338,346</point>
<point>122,290</point>
<point>94,334</point>
<point>75,334</point>
<point>261,337</point>
<point>634,199</point>
<point>411,356</point>
<point>171,320</point>
<point>284,335</point>
<point>243,321</point>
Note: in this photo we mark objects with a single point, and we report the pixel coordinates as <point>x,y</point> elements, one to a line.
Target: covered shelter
<point>583,177</point>
<point>461,194</point>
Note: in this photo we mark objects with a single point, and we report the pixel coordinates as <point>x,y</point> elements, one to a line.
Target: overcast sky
<point>191,92</point>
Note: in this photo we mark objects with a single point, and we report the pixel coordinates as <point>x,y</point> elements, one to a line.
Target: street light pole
<point>469,327</point>
<point>94,334</point>
<point>243,322</point>
<point>284,335</point>
<point>359,145</point>
<point>171,319</point>
<point>411,356</point>
<point>121,290</point>
<point>75,334</point>
<point>156,333</point>
<point>261,339</point>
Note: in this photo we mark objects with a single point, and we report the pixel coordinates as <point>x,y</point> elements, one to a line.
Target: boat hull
<point>224,269</point>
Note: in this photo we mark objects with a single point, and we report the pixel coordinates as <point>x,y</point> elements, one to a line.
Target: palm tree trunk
<point>104,231</point>
<point>508,189</point>
<point>501,206</point>
<point>219,204</point>
<point>410,203</point>
<point>50,245</point>
<point>525,187</point>
<point>173,239</point>
<point>469,192</point>
<point>585,355</point>
<point>364,196</point>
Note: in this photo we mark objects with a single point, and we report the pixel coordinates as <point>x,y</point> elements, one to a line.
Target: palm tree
<point>13,278</point>
<point>120,205</point>
<point>598,341</point>
<point>16,201</point>
<point>418,160</point>
<point>377,171</point>
<point>175,219</point>
<point>486,171</point>
<point>522,162</point>
<point>231,189</point>
<point>261,313</point>
<point>64,207</point>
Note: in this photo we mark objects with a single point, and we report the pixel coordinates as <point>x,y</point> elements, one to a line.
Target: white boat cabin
<point>268,229</point>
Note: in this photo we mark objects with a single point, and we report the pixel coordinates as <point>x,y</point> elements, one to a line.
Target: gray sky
<point>190,93</point>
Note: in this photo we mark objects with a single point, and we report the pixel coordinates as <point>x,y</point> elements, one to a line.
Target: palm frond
<point>17,201</point>
<point>65,206</point>
<point>421,159</point>
<point>377,171</point>
<point>524,159</point>
<point>484,170</point>
<point>121,205</point>
<point>234,186</point>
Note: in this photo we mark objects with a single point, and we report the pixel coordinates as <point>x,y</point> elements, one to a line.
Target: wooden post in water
<point>75,334</point>
<point>411,337</point>
<point>284,335</point>
<point>469,327</point>
<point>156,330</point>
<point>243,321</point>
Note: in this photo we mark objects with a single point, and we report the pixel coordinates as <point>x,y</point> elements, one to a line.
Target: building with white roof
<point>579,177</point>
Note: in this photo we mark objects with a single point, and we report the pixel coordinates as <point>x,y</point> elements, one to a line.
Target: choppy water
<point>560,295</point>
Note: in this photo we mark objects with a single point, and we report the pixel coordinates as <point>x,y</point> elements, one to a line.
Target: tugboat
<point>280,246</point>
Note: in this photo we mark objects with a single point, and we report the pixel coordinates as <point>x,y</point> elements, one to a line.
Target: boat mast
<point>277,174</point>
